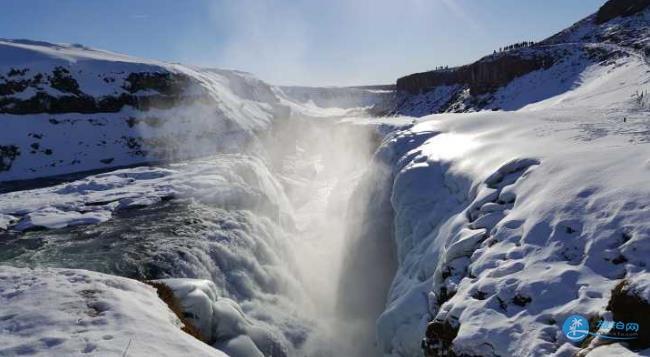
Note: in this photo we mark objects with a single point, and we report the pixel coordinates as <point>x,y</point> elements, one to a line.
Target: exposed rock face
<point>142,91</point>
<point>620,8</point>
<point>438,339</point>
<point>628,303</point>
<point>480,77</point>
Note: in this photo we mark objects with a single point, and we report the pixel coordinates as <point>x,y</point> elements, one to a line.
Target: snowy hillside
<point>514,78</point>
<point>67,108</point>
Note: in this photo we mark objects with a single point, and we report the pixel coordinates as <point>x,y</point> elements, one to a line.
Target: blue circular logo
<point>576,328</point>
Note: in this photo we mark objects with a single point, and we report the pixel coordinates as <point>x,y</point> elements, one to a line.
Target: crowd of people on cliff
<point>515,46</point>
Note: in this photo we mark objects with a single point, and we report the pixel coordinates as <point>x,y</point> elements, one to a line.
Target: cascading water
<point>258,197</point>
<point>334,185</point>
<point>288,233</point>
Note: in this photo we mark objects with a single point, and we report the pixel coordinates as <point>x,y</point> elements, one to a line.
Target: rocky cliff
<point>480,77</point>
<point>620,8</point>
<point>530,72</point>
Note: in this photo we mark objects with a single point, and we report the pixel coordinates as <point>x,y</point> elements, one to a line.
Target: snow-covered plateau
<point>140,200</point>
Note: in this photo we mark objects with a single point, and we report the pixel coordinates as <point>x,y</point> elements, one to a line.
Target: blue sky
<point>310,42</point>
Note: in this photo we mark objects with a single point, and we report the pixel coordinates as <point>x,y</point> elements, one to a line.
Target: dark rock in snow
<point>620,8</point>
<point>8,153</point>
<point>627,305</point>
<point>439,338</point>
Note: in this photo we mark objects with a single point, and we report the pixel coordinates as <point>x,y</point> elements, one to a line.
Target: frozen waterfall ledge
<point>221,321</point>
<point>68,312</point>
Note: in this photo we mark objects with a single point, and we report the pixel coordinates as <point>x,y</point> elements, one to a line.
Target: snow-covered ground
<point>68,312</point>
<point>508,222</point>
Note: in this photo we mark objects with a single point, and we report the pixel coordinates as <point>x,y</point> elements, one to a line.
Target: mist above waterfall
<point>323,172</point>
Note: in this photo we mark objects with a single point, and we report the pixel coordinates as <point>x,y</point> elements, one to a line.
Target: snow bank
<point>508,222</point>
<point>66,312</point>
